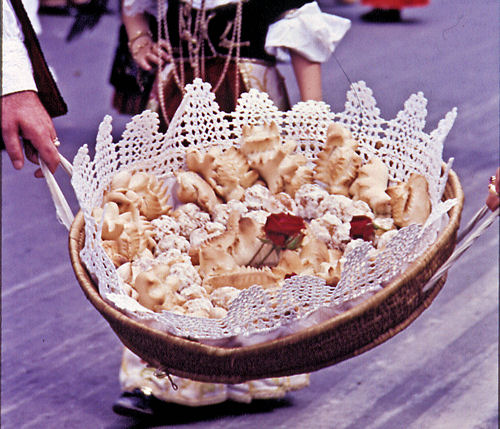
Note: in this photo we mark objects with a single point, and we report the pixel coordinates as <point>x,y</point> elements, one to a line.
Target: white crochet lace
<point>255,315</point>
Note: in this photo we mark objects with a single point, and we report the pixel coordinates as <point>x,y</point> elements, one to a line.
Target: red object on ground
<point>395,4</point>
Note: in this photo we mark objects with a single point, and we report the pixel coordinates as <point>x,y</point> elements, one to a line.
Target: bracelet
<point>138,35</point>
<point>138,48</point>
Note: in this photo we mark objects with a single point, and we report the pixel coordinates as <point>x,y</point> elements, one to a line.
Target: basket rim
<point>90,290</point>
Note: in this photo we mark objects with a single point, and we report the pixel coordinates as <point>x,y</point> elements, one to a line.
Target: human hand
<point>148,54</point>
<point>492,200</point>
<point>24,117</point>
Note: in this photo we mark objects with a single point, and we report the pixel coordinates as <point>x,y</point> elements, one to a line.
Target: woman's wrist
<point>138,36</point>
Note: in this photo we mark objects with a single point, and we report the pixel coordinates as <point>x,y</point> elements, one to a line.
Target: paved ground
<point>59,357</point>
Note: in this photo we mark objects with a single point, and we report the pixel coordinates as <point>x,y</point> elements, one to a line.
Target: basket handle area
<point>63,211</point>
<point>465,240</point>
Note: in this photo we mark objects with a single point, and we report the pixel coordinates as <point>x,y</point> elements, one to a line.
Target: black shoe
<point>136,404</point>
<point>382,15</point>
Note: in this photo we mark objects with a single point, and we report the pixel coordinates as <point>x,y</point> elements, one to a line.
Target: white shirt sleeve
<point>307,30</point>
<point>17,72</point>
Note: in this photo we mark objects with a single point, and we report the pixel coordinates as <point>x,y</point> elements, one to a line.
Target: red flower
<point>362,227</point>
<point>284,230</point>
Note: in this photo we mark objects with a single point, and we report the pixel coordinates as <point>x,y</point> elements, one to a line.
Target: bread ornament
<point>242,278</point>
<point>265,153</point>
<point>410,201</point>
<point>223,259</point>
<point>127,236</point>
<point>227,172</point>
<point>259,138</point>
<point>313,251</point>
<point>118,251</point>
<point>112,224</point>
<point>289,264</point>
<point>140,190</point>
<point>223,296</point>
<point>330,270</point>
<point>193,189</point>
<point>240,241</point>
<point>157,290</point>
<point>338,163</point>
<point>295,172</point>
<point>370,186</point>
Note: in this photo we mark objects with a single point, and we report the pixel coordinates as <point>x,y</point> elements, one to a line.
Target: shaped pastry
<point>215,260</point>
<point>295,172</point>
<point>223,296</point>
<point>140,190</point>
<point>120,180</point>
<point>265,153</point>
<point>268,165</point>
<point>259,138</point>
<point>193,189</point>
<point>289,263</point>
<point>410,201</point>
<point>313,251</point>
<point>338,163</point>
<point>330,270</point>
<point>240,241</point>
<point>227,171</point>
<point>199,307</point>
<point>126,200</point>
<point>112,224</point>
<point>156,290</point>
<point>140,237</point>
<point>370,186</point>
<point>242,278</point>
<point>117,251</point>
<point>154,199</point>
<point>246,242</point>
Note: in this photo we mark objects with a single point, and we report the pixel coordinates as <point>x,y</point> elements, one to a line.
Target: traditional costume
<point>235,45</point>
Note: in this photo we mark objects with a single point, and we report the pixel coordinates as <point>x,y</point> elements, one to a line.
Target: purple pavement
<point>60,359</point>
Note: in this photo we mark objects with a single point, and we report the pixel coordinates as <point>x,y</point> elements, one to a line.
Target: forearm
<point>135,25</point>
<point>308,75</point>
<point>144,51</point>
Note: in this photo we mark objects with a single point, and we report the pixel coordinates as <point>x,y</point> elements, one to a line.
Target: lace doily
<point>255,315</point>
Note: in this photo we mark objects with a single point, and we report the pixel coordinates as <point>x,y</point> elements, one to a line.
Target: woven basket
<point>351,333</point>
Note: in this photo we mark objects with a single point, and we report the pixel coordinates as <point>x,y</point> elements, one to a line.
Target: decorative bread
<point>410,201</point>
<point>338,163</point>
<point>193,189</point>
<point>370,186</point>
<point>227,172</point>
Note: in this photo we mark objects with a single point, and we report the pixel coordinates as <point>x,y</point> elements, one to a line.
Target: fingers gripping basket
<point>308,325</point>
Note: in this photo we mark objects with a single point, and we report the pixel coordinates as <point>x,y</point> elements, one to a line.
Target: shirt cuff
<point>308,31</point>
<point>17,72</point>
